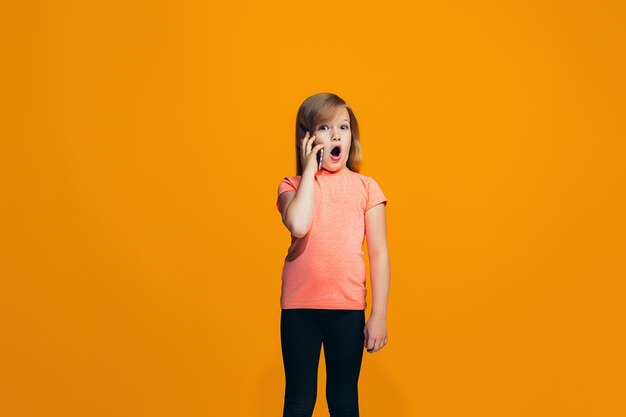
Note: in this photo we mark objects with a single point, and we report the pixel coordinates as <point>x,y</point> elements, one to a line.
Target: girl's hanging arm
<point>375,229</point>
<point>297,208</point>
<point>376,233</point>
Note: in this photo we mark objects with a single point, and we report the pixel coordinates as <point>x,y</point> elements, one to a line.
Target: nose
<point>336,135</point>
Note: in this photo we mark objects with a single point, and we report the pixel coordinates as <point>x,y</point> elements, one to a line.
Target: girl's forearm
<point>380,277</point>
<point>299,214</point>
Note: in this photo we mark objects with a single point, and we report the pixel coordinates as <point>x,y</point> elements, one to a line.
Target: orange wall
<point>142,147</point>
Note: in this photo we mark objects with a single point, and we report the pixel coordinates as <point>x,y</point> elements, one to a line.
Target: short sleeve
<point>286,184</point>
<point>374,194</point>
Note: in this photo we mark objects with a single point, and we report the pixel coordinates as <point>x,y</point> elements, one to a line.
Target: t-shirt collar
<point>324,172</point>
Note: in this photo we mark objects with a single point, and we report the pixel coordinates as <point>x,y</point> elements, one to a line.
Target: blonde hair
<point>320,107</point>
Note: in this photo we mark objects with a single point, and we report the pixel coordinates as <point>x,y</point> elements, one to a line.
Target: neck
<point>341,171</point>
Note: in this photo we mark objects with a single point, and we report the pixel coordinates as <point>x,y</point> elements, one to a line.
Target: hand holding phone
<point>306,156</point>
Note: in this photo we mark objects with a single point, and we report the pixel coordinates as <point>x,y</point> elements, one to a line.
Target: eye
<point>322,127</point>
<point>346,127</point>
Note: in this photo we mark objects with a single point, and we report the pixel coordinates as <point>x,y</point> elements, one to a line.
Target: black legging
<point>302,333</point>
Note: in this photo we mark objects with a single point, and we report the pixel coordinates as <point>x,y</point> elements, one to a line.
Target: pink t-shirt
<point>325,268</point>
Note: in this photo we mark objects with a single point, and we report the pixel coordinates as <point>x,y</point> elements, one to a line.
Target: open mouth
<point>335,153</point>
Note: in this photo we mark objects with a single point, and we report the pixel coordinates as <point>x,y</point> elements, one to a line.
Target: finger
<point>310,143</point>
<point>317,148</point>
<point>375,345</point>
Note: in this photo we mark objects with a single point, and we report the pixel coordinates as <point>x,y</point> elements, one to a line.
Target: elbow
<point>297,225</point>
<point>300,235</point>
<point>299,232</point>
<point>296,230</point>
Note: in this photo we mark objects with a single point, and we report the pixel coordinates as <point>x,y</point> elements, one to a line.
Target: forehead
<point>336,114</point>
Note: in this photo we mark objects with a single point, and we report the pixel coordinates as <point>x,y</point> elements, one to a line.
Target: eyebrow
<point>344,120</point>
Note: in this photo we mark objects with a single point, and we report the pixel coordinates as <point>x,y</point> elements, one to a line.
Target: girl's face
<point>335,133</point>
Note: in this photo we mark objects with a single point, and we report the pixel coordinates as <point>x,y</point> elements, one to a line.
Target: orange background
<point>142,147</point>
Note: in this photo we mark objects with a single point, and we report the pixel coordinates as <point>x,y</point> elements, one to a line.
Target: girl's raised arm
<point>297,208</point>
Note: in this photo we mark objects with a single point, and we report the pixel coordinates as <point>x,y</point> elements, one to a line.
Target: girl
<point>328,208</point>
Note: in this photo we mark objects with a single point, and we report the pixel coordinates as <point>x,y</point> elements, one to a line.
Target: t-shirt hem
<point>325,306</point>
